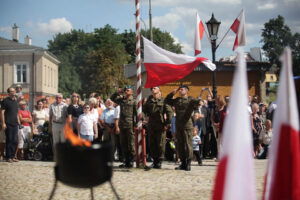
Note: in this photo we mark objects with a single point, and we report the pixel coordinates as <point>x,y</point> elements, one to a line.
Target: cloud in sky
<point>56,25</point>
<point>6,30</point>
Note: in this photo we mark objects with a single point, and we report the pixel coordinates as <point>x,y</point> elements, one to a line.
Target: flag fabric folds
<point>199,30</point>
<point>238,27</point>
<point>283,172</point>
<point>163,66</point>
<point>235,179</point>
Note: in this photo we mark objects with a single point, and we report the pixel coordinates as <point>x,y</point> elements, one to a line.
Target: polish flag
<point>235,179</point>
<point>163,66</point>
<point>283,172</point>
<point>238,27</point>
<point>198,35</point>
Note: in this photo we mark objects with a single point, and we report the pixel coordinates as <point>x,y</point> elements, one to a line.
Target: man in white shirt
<point>108,122</point>
<point>117,135</point>
<point>57,119</point>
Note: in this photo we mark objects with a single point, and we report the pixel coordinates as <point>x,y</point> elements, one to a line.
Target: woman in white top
<point>87,124</point>
<point>39,116</point>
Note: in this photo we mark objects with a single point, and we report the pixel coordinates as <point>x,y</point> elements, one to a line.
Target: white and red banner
<point>199,30</point>
<point>235,179</point>
<point>163,66</point>
<point>238,27</point>
<point>283,172</point>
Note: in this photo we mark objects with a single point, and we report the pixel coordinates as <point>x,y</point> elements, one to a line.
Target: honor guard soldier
<point>127,121</point>
<point>184,106</point>
<point>160,116</point>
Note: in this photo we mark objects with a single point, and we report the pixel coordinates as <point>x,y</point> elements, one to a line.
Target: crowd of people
<point>194,125</point>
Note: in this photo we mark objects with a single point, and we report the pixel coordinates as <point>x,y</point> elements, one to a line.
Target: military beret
<point>128,87</point>
<point>184,86</point>
<point>154,87</point>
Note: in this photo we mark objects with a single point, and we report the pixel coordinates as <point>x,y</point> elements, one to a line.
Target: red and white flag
<point>283,172</point>
<point>163,66</point>
<point>238,27</point>
<point>199,30</point>
<point>235,179</point>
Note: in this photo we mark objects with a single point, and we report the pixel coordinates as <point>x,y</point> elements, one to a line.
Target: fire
<point>73,138</point>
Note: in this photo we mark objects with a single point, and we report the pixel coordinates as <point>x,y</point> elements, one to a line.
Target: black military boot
<point>123,165</point>
<point>182,166</point>
<point>188,165</point>
<point>157,164</point>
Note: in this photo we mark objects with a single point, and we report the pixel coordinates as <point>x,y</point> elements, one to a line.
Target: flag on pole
<point>163,66</point>
<point>238,27</point>
<point>198,35</point>
<point>283,172</point>
<point>235,179</point>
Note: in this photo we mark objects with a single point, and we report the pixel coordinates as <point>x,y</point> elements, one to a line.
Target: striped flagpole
<point>140,158</point>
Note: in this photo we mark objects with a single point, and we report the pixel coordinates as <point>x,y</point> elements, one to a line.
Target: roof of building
<point>9,45</point>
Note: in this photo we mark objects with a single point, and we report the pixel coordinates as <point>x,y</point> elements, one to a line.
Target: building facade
<point>34,68</point>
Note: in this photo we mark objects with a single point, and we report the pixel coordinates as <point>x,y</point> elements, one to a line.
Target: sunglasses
<point>59,97</point>
<point>86,107</point>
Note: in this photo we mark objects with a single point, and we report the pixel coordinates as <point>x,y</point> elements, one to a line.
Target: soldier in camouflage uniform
<point>184,106</point>
<point>127,120</point>
<point>160,116</point>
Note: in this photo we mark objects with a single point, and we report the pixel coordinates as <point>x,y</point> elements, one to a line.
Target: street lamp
<point>213,28</point>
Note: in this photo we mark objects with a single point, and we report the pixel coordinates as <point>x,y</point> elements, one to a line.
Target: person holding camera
<point>10,121</point>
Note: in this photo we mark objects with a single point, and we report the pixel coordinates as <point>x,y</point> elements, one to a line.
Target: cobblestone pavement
<point>34,180</point>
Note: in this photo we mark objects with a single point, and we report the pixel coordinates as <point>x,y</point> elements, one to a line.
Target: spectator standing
<point>160,116</point>
<point>19,92</point>
<point>39,116</point>
<point>127,122</point>
<point>74,110</point>
<point>265,138</point>
<point>10,121</point>
<point>94,112</point>
<point>108,122</point>
<point>87,125</point>
<point>27,125</point>
<point>2,136</point>
<point>117,131</point>
<point>57,119</point>
<point>46,107</point>
<point>184,106</point>
<point>256,127</point>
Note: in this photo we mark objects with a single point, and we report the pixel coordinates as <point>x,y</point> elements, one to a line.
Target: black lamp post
<point>213,28</point>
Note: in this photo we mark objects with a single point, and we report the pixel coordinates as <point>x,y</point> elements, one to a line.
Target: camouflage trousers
<point>184,143</point>
<point>157,142</point>
<point>127,139</point>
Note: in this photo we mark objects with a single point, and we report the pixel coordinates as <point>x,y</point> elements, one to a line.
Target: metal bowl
<point>83,167</point>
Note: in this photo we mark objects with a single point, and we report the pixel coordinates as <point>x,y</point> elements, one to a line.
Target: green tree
<point>160,38</point>
<point>276,35</point>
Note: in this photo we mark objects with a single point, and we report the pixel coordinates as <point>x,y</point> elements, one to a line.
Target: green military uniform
<point>156,110</point>
<point>128,117</point>
<point>184,126</point>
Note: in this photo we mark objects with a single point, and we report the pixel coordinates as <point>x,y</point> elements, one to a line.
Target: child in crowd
<point>196,142</point>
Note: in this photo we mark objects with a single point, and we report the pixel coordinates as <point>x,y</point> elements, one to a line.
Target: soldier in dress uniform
<point>160,116</point>
<point>184,106</point>
<point>127,122</point>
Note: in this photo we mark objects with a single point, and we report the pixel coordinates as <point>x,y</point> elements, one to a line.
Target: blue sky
<point>41,20</point>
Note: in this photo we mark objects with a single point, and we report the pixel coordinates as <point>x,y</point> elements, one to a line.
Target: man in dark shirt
<point>9,116</point>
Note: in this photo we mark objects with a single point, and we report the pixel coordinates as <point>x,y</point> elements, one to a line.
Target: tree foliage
<point>276,35</point>
<point>94,62</point>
